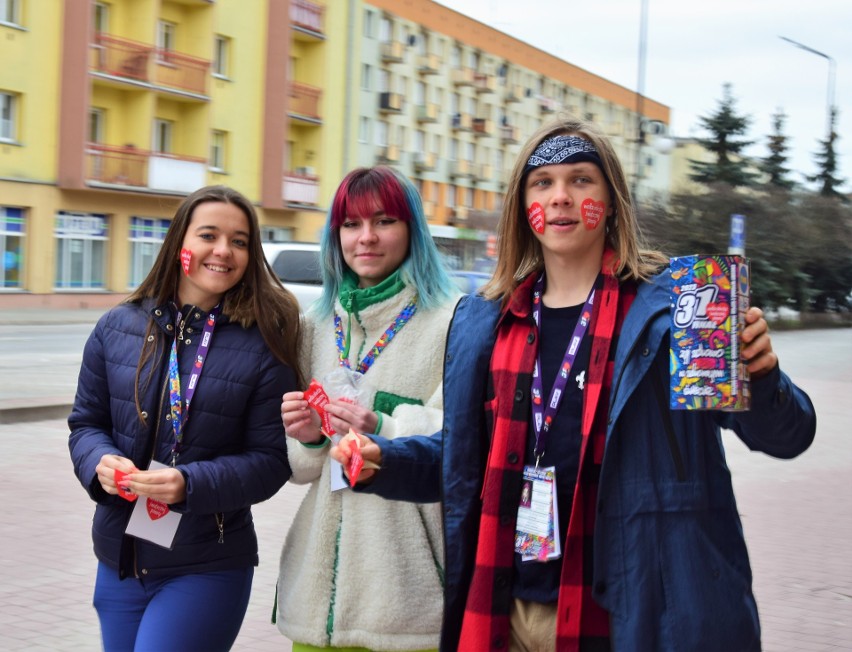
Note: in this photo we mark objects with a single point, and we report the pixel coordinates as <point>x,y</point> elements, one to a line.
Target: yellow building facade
<point>112,111</point>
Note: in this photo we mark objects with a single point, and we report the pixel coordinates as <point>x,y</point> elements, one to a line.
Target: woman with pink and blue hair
<point>358,571</point>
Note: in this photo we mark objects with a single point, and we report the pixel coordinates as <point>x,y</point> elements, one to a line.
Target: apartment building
<point>112,110</point>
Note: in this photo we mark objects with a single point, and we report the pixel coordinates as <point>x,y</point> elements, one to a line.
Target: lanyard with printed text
<point>342,347</point>
<point>543,416</point>
<point>179,412</point>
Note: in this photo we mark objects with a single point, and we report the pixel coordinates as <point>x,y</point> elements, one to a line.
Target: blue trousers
<point>200,612</point>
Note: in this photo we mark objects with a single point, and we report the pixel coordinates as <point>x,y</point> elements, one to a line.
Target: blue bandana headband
<point>563,149</point>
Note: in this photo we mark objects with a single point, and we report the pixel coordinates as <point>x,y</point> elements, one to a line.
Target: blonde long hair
<point>519,252</point>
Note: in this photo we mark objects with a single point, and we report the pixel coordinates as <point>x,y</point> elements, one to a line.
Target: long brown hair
<point>258,298</point>
<point>519,252</point>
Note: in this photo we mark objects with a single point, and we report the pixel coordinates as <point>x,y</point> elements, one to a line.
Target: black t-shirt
<point>537,581</point>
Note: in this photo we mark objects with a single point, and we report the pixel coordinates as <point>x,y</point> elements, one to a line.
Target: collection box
<point>709,300</point>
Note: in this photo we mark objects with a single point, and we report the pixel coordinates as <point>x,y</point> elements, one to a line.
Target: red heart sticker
<point>357,461</point>
<point>592,212</point>
<point>185,258</point>
<point>156,509</point>
<point>535,214</point>
<point>718,312</point>
<point>119,477</point>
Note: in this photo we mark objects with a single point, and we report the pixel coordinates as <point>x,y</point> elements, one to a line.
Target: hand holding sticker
<point>120,484</point>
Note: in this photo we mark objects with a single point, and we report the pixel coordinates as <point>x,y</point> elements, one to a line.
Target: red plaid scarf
<point>579,618</point>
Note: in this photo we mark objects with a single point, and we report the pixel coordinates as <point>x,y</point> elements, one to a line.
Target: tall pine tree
<point>775,165</point>
<point>826,159</point>
<point>725,127</point>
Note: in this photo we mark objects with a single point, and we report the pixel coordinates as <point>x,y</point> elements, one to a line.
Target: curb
<point>31,413</point>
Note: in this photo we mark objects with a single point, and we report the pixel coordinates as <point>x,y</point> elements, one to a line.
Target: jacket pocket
<point>668,426</point>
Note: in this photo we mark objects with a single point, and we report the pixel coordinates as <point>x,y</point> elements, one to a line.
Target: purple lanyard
<point>543,416</point>
<point>180,414</point>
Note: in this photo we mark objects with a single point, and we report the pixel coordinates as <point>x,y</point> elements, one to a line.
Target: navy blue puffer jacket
<point>234,453</point>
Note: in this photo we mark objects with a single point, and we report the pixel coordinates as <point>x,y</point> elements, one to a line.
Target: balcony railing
<point>304,101</point>
<point>463,76</point>
<point>483,127</point>
<point>300,189</point>
<point>484,83</point>
<point>178,70</point>
<point>393,52</point>
<point>129,166</point>
<point>390,103</point>
<point>123,166</point>
<point>120,57</point>
<point>428,113</point>
<point>509,134</point>
<point>461,122</point>
<point>428,64</point>
<point>307,16</point>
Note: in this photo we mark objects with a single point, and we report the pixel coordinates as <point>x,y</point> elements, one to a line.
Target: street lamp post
<point>831,73</point>
<point>640,96</point>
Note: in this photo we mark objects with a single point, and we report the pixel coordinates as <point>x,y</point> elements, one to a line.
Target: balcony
<point>484,83</point>
<point>483,127</point>
<point>461,169</point>
<point>424,161</point>
<point>546,105</point>
<point>181,71</point>
<point>462,122</point>
<point>459,213</point>
<point>300,188</point>
<point>428,64</point>
<point>514,94</point>
<point>509,135</point>
<point>390,103</point>
<point>119,57</point>
<point>483,172</point>
<point>304,103</point>
<point>122,58</point>
<point>429,209</point>
<point>307,19</point>
<point>130,166</point>
<point>388,154</point>
<point>463,76</point>
<point>393,52</point>
<point>427,113</point>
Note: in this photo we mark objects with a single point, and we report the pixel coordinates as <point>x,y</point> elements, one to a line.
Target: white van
<point>297,265</point>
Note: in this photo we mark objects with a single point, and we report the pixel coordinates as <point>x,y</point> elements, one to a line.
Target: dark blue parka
<point>670,560</point>
<point>234,452</point>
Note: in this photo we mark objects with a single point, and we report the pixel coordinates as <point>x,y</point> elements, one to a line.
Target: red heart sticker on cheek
<point>535,214</point>
<point>592,212</point>
<point>185,258</point>
<point>718,312</point>
<point>156,509</point>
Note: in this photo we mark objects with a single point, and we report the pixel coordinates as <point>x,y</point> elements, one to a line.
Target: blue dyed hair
<point>423,267</point>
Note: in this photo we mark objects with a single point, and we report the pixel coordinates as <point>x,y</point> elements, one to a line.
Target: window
<point>384,81</point>
<point>96,125</point>
<point>165,39</point>
<point>146,238</point>
<point>381,133</point>
<point>218,150</point>
<point>162,136</point>
<point>369,17</point>
<point>10,11</point>
<point>100,18</point>
<point>80,250</point>
<point>364,129</point>
<point>385,30</point>
<point>366,76</point>
<point>12,230</point>
<point>8,117</point>
<point>221,56</point>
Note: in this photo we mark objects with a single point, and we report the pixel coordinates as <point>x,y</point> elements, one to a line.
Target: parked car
<point>468,281</point>
<point>297,265</point>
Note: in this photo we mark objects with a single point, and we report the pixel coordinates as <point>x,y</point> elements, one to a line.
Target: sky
<point>694,48</point>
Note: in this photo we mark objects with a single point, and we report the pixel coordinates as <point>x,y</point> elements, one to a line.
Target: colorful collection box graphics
<point>709,299</point>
